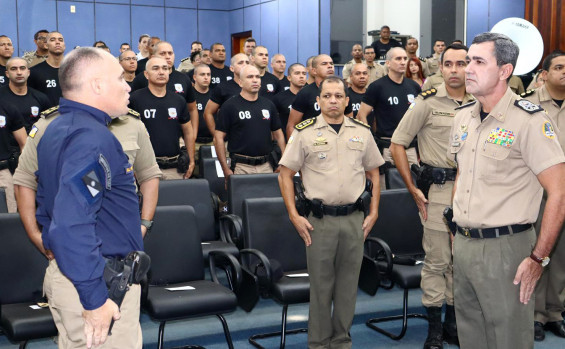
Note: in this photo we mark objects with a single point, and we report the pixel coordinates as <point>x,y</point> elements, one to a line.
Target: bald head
<point>16,61</point>
<point>322,66</point>
<point>77,67</point>
<point>395,51</point>
<point>359,75</point>
<point>237,62</point>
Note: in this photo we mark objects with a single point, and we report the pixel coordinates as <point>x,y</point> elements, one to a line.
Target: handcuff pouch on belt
<point>183,161</point>
<point>427,175</point>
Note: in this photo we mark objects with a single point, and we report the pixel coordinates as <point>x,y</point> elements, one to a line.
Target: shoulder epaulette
<point>428,93</point>
<point>306,123</point>
<point>422,59</point>
<point>430,56</point>
<point>46,114</point>
<point>527,106</point>
<point>528,93</point>
<point>466,105</point>
<point>133,113</point>
<point>360,122</point>
<point>185,59</point>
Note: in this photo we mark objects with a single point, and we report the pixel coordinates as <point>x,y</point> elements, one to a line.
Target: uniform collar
<point>442,92</point>
<point>321,122</point>
<point>544,95</point>
<point>66,105</point>
<point>498,111</point>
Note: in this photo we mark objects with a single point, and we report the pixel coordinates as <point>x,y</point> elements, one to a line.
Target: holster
<point>448,215</point>
<point>302,204</point>
<point>183,161</point>
<point>364,201</point>
<point>13,162</point>
<point>424,178</point>
<point>274,157</point>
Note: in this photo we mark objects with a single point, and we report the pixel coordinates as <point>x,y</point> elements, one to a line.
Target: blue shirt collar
<point>66,105</point>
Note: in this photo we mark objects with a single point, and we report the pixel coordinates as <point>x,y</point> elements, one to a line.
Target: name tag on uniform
<point>442,113</point>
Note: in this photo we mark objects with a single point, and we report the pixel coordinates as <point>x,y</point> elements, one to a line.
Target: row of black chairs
<point>255,245</point>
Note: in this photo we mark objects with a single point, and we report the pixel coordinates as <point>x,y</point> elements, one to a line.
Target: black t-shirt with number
<point>178,83</point>
<point>390,101</point>
<point>270,86</point>
<point>305,102</point>
<point>219,75</point>
<point>248,125</point>
<point>283,101</point>
<point>356,99</point>
<point>29,106</point>
<point>10,121</point>
<point>162,117</point>
<point>225,91</point>
<point>45,78</point>
<point>201,100</point>
<point>3,78</point>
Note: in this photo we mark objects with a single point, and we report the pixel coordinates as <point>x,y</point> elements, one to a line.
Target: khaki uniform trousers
<point>171,173</point>
<point>67,311</point>
<point>549,290</point>
<point>248,169</point>
<point>334,262</point>
<point>7,182</point>
<point>437,272</point>
<point>487,303</point>
<point>411,153</point>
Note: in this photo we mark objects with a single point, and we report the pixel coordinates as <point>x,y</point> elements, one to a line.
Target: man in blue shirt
<point>87,204</point>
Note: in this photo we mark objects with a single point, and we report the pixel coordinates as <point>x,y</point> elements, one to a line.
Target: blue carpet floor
<point>266,317</point>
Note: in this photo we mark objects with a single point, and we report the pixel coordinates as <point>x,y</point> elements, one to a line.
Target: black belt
<point>3,165</point>
<point>250,160</point>
<point>343,210</point>
<point>441,174</point>
<point>384,142</point>
<point>167,162</point>
<point>204,139</point>
<point>489,233</point>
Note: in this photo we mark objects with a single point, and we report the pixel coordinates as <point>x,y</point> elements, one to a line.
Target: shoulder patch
<point>527,106</point>
<point>360,123</point>
<point>422,59</point>
<point>528,93</point>
<point>466,105</point>
<point>306,123</point>
<point>428,93</point>
<point>46,114</point>
<point>133,113</point>
<point>185,59</point>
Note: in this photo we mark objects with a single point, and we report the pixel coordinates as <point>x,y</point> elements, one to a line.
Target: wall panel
<point>236,21</point>
<point>252,21</point>
<point>147,20</point>
<point>77,28</point>
<point>549,17</point>
<point>270,27</point>
<point>113,26</point>
<point>9,22</point>
<point>213,26</point>
<point>308,30</point>
<point>33,15</point>
<point>181,27</point>
<point>288,30</point>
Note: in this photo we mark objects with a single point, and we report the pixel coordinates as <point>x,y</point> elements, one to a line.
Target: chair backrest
<point>205,152</point>
<point>174,246</point>
<point>212,172</point>
<point>241,187</point>
<point>399,224</point>
<point>266,227</point>
<point>22,266</point>
<point>3,203</point>
<point>195,193</point>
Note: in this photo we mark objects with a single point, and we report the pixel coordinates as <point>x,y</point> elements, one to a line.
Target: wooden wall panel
<point>549,17</point>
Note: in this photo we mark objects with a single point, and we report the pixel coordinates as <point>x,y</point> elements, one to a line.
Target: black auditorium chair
<point>21,283</point>
<point>209,170</point>
<point>394,254</point>
<point>277,255</point>
<point>196,193</point>
<point>3,204</point>
<point>176,261</point>
<point>205,152</point>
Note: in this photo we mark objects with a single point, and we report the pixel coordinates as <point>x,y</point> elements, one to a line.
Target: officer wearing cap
<point>87,204</point>
<point>507,153</point>
<point>334,154</point>
<point>430,118</point>
<point>549,297</point>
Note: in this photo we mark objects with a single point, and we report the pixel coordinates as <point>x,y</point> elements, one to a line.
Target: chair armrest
<point>215,205</point>
<point>264,260</point>
<point>225,259</point>
<point>231,229</point>
<point>383,253</point>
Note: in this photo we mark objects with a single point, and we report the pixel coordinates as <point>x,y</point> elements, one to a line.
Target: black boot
<point>450,326</point>
<point>435,333</point>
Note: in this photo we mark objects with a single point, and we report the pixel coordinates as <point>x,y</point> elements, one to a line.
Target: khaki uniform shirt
<point>498,161</point>
<point>433,81</point>
<point>516,85</point>
<point>129,131</point>
<point>347,69</point>
<point>433,64</point>
<point>430,118</point>
<point>556,113</point>
<point>185,66</point>
<point>33,59</point>
<point>376,71</point>
<point>332,165</point>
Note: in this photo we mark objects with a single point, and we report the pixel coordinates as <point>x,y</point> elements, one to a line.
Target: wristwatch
<point>543,261</point>
<point>147,224</point>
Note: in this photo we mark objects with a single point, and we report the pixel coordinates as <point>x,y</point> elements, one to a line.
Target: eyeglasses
<point>42,38</point>
<point>129,59</point>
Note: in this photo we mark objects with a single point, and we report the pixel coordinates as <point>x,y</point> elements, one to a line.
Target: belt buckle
<point>466,232</point>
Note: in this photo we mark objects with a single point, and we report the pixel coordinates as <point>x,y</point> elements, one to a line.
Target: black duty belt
<point>3,165</point>
<point>441,174</point>
<point>204,139</point>
<point>343,210</point>
<point>384,142</point>
<point>250,160</point>
<point>165,162</point>
<point>489,233</point>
